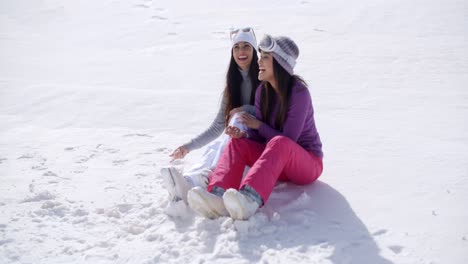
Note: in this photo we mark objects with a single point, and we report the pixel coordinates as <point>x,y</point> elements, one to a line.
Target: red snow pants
<point>281,159</point>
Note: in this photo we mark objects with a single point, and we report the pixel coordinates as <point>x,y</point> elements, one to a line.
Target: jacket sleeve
<point>249,109</point>
<point>253,134</point>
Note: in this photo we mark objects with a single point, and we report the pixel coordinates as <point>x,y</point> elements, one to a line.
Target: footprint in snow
<point>6,241</point>
<point>40,160</point>
<point>101,148</point>
<point>396,249</point>
<point>135,229</point>
<point>140,175</point>
<point>79,169</point>
<point>119,162</point>
<point>49,173</point>
<point>380,232</point>
<point>39,167</point>
<point>159,17</point>
<point>52,174</point>
<point>26,156</point>
<point>142,6</point>
<point>163,149</point>
<point>70,148</point>
<point>111,150</point>
<point>80,212</point>
<point>125,208</point>
<point>81,159</point>
<point>335,225</point>
<point>137,135</point>
<point>32,186</point>
<point>42,196</point>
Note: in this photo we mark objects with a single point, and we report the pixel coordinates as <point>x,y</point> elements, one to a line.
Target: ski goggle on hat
<point>269,44</point>
<point>243,34</point>
<point>234,32</point>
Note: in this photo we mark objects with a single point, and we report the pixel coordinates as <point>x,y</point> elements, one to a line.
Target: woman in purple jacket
<point>282,143</point>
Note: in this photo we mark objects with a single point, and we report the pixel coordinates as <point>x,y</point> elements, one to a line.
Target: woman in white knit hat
<point>281,144</point>
<point>238,96</point>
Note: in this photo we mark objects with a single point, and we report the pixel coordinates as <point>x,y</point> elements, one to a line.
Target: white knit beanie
<point>241,35</point>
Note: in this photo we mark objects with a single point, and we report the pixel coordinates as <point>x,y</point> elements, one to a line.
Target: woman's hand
<point>250,121</point>
<point>179,153</point>
<point>235,132</point>
<point>235,110</point>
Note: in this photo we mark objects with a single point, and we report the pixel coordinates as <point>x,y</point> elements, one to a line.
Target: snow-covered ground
<point>94,95</point>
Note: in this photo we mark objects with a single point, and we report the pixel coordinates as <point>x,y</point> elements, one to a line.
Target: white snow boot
<point>175,183</point>
<point>206,203</point>
<point>239,206</point>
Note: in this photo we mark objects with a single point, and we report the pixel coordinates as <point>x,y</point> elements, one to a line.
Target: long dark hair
<point>269,96</point>
<point>232,92</point>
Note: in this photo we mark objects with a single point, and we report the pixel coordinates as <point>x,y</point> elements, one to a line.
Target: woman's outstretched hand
<point>235,132</point>
<point>179,153</point>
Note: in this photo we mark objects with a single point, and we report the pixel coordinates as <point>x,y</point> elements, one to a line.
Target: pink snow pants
<point>281,159</point>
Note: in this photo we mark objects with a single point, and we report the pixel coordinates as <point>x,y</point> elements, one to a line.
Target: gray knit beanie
<point>283,49</point>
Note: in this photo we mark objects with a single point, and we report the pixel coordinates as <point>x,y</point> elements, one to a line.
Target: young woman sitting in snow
<point>239,96</point>
<point>281,144</point>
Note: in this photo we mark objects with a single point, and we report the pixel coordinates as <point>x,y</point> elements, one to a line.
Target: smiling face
<point>265,64</point>
<point>242,53</point>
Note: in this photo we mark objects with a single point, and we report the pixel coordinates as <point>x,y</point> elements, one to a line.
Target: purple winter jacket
<point>299,124</point>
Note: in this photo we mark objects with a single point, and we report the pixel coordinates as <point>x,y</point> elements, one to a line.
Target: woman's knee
<point>280,141</point>
<point>304,178</point>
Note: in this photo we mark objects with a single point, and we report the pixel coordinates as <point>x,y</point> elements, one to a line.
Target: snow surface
<point>94,95</point>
